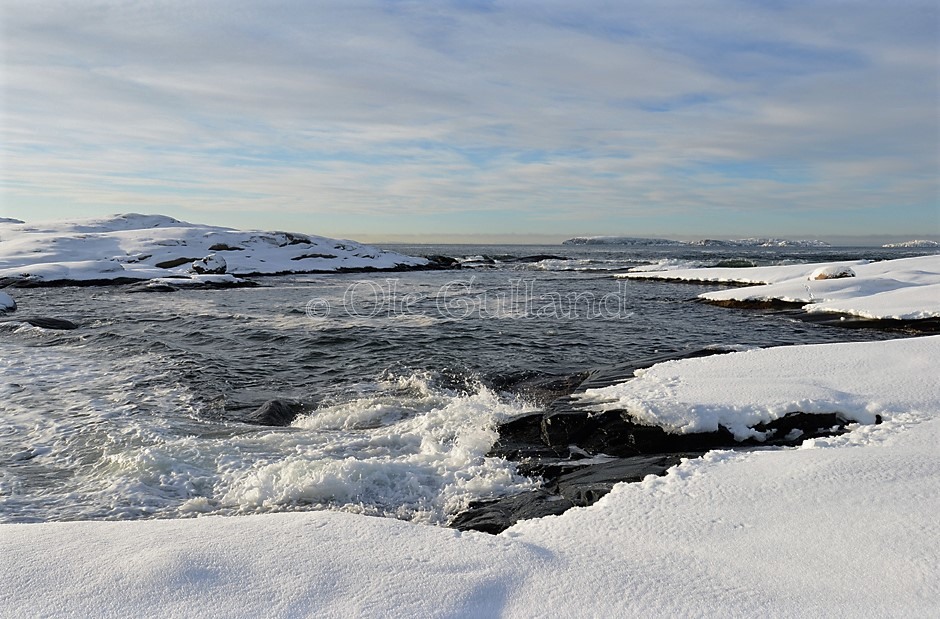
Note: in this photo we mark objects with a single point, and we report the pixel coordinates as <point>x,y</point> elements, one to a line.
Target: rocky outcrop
<point>580,454</point>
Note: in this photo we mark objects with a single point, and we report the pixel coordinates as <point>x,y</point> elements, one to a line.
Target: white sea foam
<point>667,264</point>
<point>90,438</point>
<point>419,457</point>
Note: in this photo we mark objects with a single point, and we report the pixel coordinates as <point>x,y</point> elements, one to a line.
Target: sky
<point>478,120</point>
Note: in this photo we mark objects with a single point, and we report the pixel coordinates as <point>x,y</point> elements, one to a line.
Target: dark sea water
<point>140,412</point>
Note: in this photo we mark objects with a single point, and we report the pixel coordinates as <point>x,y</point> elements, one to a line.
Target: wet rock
<point>274,413</point>
<point>579,488</point>
<point>151,287</point>
<point>536,387</point>
<point>587,485</point>
<point>58,324</point>
<point>495,516</point>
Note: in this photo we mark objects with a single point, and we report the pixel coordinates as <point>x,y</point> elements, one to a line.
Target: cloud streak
<point>412,116</point>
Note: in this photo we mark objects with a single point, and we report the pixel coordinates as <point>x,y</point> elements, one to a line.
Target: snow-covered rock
<point>213,264</point>
<point>140,247</point>
<point>832,272</point>
<point>902,289</point>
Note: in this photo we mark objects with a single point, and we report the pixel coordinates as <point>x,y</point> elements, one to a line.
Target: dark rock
<point>587,485</point>
<point>274,413</point>
<point>169,264</point>
<point>614,433</point>
<point>536,387</point>
<point>443,262</point>
<point>495,516</point>
<point>49,323</point>
<point>305,256</point>
<point>735,263</point>
<point>579,488</point>
<point>224,247</point>
<point>151,287</point>
<point>562,445</point>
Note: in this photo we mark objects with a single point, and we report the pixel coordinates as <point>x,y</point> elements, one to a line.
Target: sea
<point>143,411</point>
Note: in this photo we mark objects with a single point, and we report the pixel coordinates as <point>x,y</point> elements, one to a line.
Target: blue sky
<point>455,120</point>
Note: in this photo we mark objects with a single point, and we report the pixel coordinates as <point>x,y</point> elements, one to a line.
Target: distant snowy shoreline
<point>167,251</point>
<point>656,242</point>
<point>903,289</point>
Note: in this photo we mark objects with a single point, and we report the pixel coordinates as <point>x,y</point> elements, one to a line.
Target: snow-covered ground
<point>902,289</point>
<point>842,526</point>
<point>145,247</point>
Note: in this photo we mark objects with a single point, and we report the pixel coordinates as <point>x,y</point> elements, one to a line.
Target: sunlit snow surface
<point>842,526</point>
<point>902,289</point>
<point>134,246</point>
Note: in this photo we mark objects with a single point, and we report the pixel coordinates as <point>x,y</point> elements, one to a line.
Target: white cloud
<point>420,108</point>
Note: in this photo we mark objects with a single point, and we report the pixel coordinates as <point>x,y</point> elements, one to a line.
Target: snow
<point>832,272</point>
<point>902,289</point>
<point>144,247</point>
<point>841,526</point>
<point>684,396</point>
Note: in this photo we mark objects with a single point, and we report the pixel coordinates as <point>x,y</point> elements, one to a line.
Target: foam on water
<point>124,439</point>
<point>411,450</point>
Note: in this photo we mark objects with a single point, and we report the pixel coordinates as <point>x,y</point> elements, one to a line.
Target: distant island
<point>913,244</point>
<point>167,252</point>
<point>654,242</point>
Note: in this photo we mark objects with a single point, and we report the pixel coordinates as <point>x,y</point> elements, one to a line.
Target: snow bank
<point>903,289</point>
<point>843,526</point>
<point>761,385</point>
<point>128,247</point>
